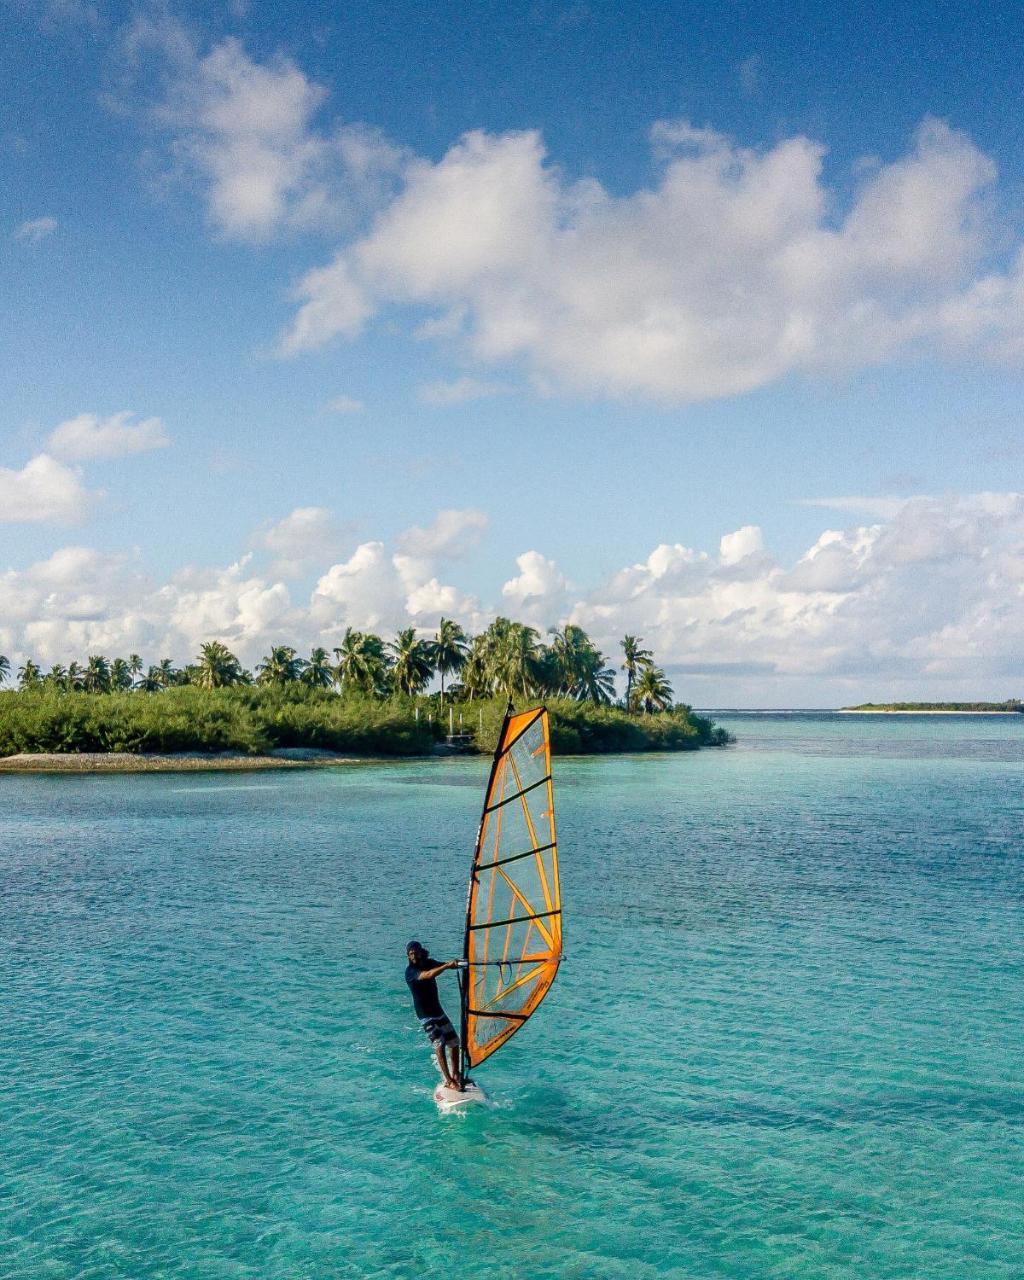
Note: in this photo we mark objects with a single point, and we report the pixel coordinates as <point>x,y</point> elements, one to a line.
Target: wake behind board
<point>457,1099</point>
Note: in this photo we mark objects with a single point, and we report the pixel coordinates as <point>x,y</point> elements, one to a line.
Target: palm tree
<point>595,682</point>
<point>513,657</point>
<point>165,673</point>
<point>5,668</point>
<point>652,690</point>
<point>636,659</point>
<point>217,667</point>
<point>96,677</point>
<point>56,677</point>
<point>135,666</point>
<point>476,677</point>
<point>449,650</point>
<point>74,677</point>
<point>120,675</point>
<point>578,669</point>
<point>151,681</point>
<point>411,667</point>
<point>318,672</point>
<point>29,675</point>
<point>362,663</point>
<point>282,665</point>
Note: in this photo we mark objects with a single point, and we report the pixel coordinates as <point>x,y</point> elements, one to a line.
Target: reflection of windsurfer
<point>421,975</point>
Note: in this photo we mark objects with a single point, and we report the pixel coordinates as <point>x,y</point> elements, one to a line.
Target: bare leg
<point>455,1072</point>
<point>442,1062</point>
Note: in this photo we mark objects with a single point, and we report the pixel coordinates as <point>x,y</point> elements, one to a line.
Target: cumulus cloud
<point>246,130</point>
<point>537,594</point>
<point>737,546</point>
<point>36,229</point>
<point>377,590</point>
<point>305,537</point>
<point>43,490</point>
<point>81,601</point>
<point>927,601</point>
<point>89,437</point>
<point>936,592</point>
<point>730,272</point>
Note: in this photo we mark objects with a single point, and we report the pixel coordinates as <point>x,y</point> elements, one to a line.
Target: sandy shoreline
<point>125,762</point>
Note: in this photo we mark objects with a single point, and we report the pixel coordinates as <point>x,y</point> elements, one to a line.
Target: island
<point>1011,707</point>
<point>373,700</point>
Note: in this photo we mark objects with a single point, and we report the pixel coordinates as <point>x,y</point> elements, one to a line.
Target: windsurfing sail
<point>513,943</point>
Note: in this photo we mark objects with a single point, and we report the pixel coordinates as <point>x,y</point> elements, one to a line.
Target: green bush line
<point>253,720</point>
<point>1011,704</point>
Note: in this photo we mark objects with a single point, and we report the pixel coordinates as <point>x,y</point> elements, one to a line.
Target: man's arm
<point>432,973</point>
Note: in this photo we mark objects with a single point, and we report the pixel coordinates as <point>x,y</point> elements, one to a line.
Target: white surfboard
<point>448,1099</point>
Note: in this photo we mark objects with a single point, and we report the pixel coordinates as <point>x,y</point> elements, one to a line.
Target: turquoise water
<point>786,1041</point>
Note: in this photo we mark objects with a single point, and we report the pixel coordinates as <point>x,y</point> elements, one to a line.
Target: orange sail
<point>513,943</point>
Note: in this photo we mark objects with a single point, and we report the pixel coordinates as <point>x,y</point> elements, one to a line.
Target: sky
<point>704,325</point>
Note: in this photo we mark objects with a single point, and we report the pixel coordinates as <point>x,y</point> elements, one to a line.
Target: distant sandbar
<point>885,711</point>
<point>126,762</point>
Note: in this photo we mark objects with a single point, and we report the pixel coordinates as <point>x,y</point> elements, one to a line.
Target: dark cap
<point>414,946</point>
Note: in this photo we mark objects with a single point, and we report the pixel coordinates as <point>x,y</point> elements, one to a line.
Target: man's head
<point>415,951</point>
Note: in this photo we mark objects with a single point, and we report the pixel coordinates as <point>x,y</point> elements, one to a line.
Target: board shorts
<point>439,1030</point>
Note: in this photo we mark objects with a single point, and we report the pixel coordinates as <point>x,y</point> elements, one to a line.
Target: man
<point>421,975</point>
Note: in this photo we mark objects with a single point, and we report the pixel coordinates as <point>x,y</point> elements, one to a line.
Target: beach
<point>128,762</point>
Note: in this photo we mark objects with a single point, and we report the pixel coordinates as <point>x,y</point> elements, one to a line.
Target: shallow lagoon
<point>786,1041</point>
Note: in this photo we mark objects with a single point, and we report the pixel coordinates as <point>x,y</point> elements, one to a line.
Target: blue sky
<point>610,283</point>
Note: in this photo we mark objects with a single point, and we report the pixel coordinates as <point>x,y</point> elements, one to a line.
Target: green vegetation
<point>370,701</point>
<point>1011,704</point>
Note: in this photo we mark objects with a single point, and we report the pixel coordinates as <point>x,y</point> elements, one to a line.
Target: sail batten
<point>514,895</point>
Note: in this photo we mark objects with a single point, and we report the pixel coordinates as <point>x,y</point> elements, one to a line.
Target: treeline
<point>508,658</point>
<point>369,699</point>
<point>256,720</point>
<point>1011,704</point>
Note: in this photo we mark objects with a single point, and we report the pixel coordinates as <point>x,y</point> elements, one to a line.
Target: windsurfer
<point>421,975</point>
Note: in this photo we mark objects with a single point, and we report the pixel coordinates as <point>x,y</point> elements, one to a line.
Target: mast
<point>464,973</point>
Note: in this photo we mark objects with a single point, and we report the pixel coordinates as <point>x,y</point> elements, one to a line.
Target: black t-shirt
<point>424,991</point>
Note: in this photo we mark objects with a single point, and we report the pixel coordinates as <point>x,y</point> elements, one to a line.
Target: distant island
<point>1012,706</point>
<point>370,701</point>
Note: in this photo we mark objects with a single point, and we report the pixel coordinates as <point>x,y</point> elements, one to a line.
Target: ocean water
<point>786,1041</point>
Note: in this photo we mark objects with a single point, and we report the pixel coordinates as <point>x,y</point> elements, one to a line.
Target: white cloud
<point>453,533</point>
<point>232,605</point>
<point>377,589</point>
<point>927,602</point>
<point>935,593</point>
<point>538,593</point>
<point>305,537</point>
<point>36,229</point>
<point>43,490</point>
<point>345,404</point>
<point>246,130</point>
<point>459,391</point>
<point>729,273</point>
<point>737,546</point>
<point>88,437</point>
